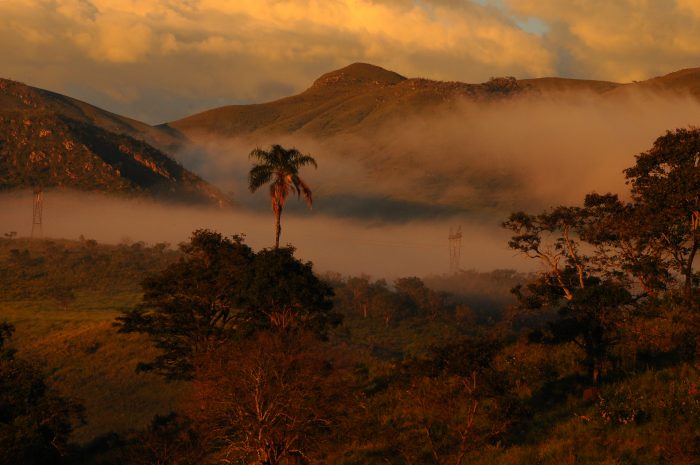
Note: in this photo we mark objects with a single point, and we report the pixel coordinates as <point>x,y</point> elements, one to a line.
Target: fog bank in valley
<point>386,197</point>
<point>523,153</point>
<point>471,164</point>
<point>344,245</point>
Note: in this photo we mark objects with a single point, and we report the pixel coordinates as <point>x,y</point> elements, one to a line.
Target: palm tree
<point>280,167</point>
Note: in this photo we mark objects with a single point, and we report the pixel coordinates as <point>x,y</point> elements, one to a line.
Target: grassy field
<point>87,359</point>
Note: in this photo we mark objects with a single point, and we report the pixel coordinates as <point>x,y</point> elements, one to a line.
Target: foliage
<point>192,303</point>
<point>279,167</point>
<point>35,422</point>
<point>283,292</point>
<point>221,290</point>
<point>619,283</point>
<point>268,400</point>
<point>665,184</point>
<point>360,297</point>
<point>445,405</point>
<point>414,375</point>
<point>441,420</point>
<point>169,439</point>
<point>6,331</point>
<point>56,269</point>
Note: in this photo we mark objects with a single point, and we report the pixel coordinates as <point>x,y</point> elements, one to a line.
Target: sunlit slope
<point>682,82</point>
<point>53,141</point>
<point>356,98</point>
<point>685,82</point>
<point>86,359</point>
<point>361,96</point>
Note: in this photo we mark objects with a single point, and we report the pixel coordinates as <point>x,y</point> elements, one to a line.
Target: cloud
<point>619,40</point>
<point>177,57</point>
<point>690,6</point>
<point>200,51</point>
<point>116,42</point>
<point>343,245</point>
<point>481,160</point>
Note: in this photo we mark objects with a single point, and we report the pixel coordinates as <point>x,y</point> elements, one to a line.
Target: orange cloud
<point>619,40</point>
<point>690,6</point>
<point>128,30</point>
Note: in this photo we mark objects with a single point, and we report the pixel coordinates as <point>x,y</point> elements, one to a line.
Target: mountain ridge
<point>54,141</point>
<point>361,96</point>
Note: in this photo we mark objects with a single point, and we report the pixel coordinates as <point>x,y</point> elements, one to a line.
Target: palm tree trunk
<point>689,269</point>
<point>278,227</point>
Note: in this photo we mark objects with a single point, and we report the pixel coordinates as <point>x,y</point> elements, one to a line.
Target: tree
<point>35,422</point>
<point>282,292</point>
<point>666,192</point>
<point>606,260</point>
<point>169,440</point>
<point>420,300</point>
<point>453,403</point>
<point>280,167</point>
<point>591,294</point>
<point>221,290</point>
<point>279,397</point>
<point>622,248</point>
<point>357,292</point>
<point>193,303</point>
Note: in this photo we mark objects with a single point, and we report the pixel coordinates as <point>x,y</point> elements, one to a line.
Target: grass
<point>86,359</point>
<point>666,429</point>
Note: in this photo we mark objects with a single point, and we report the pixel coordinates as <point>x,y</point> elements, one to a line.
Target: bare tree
<point>271,400</point>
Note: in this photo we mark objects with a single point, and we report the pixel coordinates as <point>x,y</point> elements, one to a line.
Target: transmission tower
<point>37,213</point>
<point>455,239</point>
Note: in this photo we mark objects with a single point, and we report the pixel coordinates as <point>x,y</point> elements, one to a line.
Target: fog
<point>348,246</point>
<point>531,152</point>
<point>385,197</point>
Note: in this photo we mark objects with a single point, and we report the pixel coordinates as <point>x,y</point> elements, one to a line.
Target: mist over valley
<point>401,161</point>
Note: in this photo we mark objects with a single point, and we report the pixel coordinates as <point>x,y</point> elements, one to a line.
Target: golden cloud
<point>620,39</point>
<point>690,6</point>
<point>129,31</point>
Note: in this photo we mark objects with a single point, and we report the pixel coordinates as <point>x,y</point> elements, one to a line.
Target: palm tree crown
<point>279,167</point>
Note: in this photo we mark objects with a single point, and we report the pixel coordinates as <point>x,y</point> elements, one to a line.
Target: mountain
<point>685,81</point>
<point>354,98</point>
<point>396,145</point>
<point>400,148</point>
<point>360,97</point>
<point>53,141</point>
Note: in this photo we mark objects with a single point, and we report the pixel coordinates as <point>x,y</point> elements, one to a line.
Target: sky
<point>160,60</point>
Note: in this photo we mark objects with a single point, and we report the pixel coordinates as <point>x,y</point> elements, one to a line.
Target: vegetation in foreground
<point>596,361</point>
